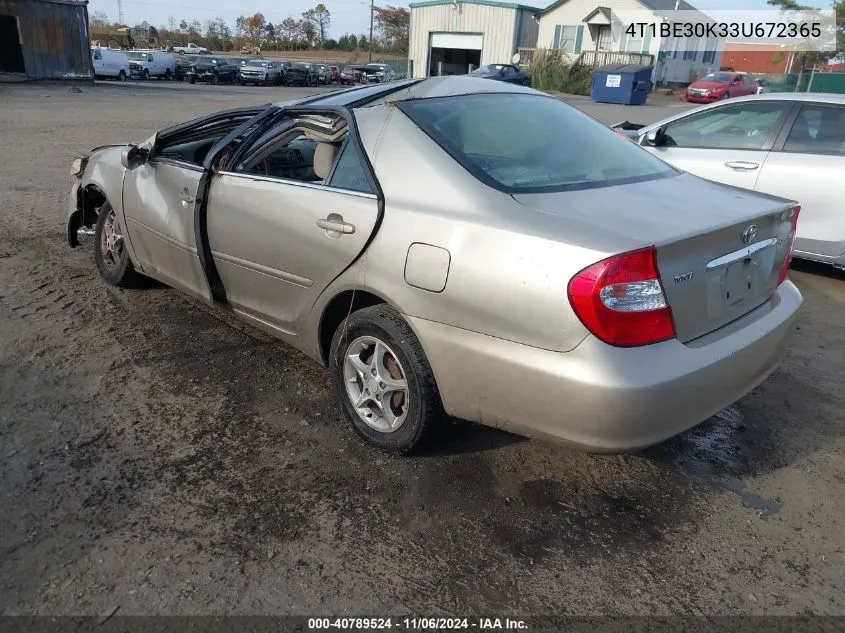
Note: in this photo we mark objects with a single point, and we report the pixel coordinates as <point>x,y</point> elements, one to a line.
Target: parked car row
<point>204,67</point>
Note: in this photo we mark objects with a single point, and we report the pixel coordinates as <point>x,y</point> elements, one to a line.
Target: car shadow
<point>459,437</point>
<point>817,268</point>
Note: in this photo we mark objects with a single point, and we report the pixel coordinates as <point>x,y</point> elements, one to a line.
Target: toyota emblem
<point>749,234</point>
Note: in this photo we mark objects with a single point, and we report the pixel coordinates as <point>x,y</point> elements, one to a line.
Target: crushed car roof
<point>404,89</point>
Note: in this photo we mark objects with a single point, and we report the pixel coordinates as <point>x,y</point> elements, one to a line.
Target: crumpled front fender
<point>101,180</point>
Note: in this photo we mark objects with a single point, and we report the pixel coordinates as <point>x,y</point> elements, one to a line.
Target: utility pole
<point>371,31</point>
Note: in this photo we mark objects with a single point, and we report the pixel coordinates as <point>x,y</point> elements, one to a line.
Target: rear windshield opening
<point>522,143</point>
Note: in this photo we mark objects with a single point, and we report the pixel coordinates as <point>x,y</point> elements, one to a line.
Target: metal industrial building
<point>44,39</point>
<point>449,37</point>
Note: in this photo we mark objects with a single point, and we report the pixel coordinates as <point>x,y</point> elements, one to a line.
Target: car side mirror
<point>655,137</point>
<point>133,157</point>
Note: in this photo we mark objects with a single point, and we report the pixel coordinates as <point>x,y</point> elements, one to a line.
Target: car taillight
<point>788,260</point>
<point>621,300</point>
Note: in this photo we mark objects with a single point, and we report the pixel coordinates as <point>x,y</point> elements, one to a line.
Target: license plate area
<point>739,281</point>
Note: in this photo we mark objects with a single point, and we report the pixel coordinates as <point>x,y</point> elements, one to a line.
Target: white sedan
<point>783,144</point>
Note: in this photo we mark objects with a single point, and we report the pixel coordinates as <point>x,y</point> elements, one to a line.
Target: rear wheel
<point>110,254</point>
<point>167,75</point>
<point>121,76</point>
<point>384,381</point>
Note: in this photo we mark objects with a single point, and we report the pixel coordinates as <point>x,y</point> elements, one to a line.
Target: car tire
<point>308,81</point>
<point>725,97</point>
<point>215,80</point>
<point>121,76</point>
<point>266,81</point>
<point>416,409</point>
<point>167,75</point>
<point>146,75</point>
<point>110,253</point>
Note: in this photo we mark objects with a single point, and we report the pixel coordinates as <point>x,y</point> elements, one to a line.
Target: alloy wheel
<point>111,242</point>
<point>376,384</point>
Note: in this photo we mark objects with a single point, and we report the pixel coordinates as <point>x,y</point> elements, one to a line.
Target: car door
<point>160,198</point>
<point>278,237</point>
<point>97,61</point>
<point>508,74</point>
<point>739,86</point>
<point>728,143</point>
<point>111,63</point>
<point>807,164</point>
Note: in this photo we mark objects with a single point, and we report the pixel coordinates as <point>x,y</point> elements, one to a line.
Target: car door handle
<point>335,223</point>
<point>742,165</point>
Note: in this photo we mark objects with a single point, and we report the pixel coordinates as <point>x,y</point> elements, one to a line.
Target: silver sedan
<point>785,144</point>
<point>459,246</point>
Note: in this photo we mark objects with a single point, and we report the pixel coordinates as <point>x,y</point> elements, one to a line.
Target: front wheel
<point>146,75</point>
<point>110,254</point>
<point>384,381</point>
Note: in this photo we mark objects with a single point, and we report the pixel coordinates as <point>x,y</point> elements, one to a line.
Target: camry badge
<point>749,234</point>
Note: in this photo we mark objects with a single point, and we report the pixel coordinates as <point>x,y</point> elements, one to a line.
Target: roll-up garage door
<point>466,41</point>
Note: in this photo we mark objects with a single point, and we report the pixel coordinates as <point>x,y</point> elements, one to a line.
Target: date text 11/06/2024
<point>762,30</point>
<point>416,624</point>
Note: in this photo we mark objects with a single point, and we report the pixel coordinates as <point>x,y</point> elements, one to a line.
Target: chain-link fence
<point>399,66</point>
<point>807,82</point>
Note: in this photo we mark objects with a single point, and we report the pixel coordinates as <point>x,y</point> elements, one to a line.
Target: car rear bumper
<point>604,398</point>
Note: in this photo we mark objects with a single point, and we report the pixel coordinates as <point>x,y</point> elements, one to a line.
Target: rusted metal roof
<point>54,37</point>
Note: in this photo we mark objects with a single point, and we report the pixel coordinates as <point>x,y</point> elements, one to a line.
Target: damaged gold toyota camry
<point>464,247</point>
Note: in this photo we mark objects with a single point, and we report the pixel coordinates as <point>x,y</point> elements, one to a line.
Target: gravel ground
<point>159,458</point>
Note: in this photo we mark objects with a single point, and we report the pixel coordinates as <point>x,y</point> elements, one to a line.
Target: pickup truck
<point>190,49</point>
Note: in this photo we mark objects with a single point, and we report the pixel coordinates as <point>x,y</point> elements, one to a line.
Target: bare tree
<point>320,18</point>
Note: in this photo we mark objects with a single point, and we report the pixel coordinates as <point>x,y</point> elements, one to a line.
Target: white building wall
<point>672,68</point>
<point>497,24</point>
<point>572,12</point>
<point>669,67</point>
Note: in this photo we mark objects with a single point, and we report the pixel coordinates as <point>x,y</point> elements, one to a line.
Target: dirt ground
<point>158,458</point>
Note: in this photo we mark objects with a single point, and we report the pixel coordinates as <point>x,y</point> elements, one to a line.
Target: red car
<point>350,75</point>
<point>720,85</point>
<point>335,78</point>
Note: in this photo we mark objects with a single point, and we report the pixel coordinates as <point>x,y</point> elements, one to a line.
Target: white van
<point>146,64</point>
<point>110,63</point>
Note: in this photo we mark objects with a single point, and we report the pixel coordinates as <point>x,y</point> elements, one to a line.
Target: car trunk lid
<point>720,249</point>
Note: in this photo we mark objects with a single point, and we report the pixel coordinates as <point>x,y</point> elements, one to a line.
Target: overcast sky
<point>351,16</point>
